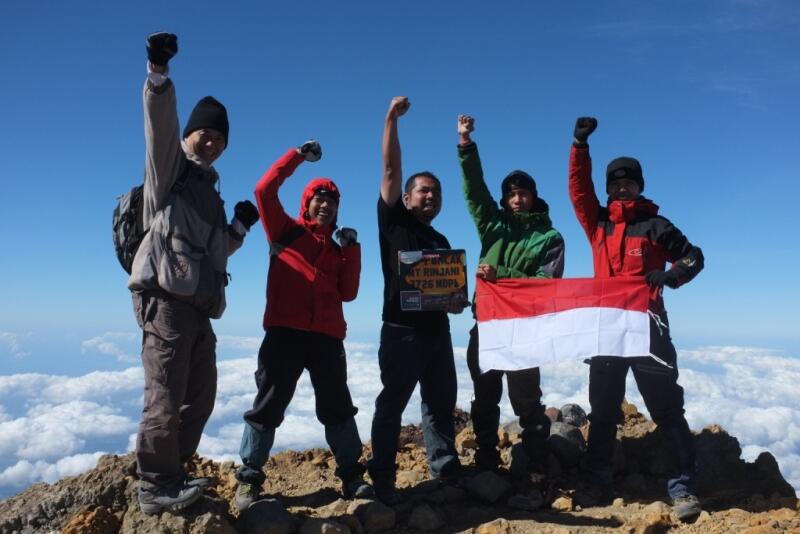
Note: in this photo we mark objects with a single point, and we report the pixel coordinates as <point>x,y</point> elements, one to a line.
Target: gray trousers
<point>180,385</point>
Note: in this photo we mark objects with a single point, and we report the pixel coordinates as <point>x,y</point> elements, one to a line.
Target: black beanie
<point>208,113</point>
<point>520,179</point>
<point>625,167</point>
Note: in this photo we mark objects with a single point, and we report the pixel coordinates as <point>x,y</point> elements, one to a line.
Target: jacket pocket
<point>181,265</point>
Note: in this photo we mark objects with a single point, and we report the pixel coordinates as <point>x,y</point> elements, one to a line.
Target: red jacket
<point>628,237</point>
<point>310,276</point>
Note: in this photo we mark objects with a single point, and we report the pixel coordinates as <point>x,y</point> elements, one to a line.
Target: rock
<point>504,437</point>
<point>554,414</point>
<point>702,518</point>
<point>267,516</point>
<point>512,429</point>
<point>453,494</point>
<point>529,501</point>
<point>319,525</point>
<point>409,478</point>
<point>353,522</point>
<point>498,526</point>
<point>336,508</point>
<point>574,415</point>
<point>373,515</point>
<point>619,502</point>
<point>562,504</point>
<point>425,518</point>
<point>566,442</point>
<point>135,522</point>
<point>97,521</point>
<point>210,523</point>
<point>466,440</point>
<point>657,507</point>
<point>488,486</point>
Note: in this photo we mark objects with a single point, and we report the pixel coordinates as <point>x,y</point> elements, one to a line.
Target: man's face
<point>424,200</point>
<point>519,200</point>
<point>623,189</point>
<point>322,209</point>
<point>207,144</point>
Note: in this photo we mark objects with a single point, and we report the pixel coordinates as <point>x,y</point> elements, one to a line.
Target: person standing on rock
<point>415,346</point>
<point>308,279</point>
<point>629,238</point>
<point>517,241</point>
<point>178,280</point>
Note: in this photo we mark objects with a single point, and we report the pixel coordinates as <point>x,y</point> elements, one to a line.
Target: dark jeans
<point>526,400</point>
<point>658,384</point>
<point>180,385</point>
<point>284,354</point>
<point>409,356</point>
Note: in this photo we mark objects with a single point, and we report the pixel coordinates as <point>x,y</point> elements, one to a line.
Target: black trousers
<point>657,380</point>
<point>284,354</point>
<point>525,394</point>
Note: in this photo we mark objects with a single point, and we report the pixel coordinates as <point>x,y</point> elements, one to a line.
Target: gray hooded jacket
<point>185,252</point>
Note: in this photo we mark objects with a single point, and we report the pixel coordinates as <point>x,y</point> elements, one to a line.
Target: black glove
<point>161,47</point>
<point>310,150</point>
<point>660,278</point>
<point>246,212</point>
<point>346,236</point>
<point>584,127</point>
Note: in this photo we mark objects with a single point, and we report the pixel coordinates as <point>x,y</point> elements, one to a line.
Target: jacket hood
<point>305,199</point>
<point>630,210</point>
<point>538,216</point>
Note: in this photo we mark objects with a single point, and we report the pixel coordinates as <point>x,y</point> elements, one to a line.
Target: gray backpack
<point>127,226</point>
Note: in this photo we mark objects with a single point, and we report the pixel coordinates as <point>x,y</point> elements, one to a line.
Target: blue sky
<point>704,94</point>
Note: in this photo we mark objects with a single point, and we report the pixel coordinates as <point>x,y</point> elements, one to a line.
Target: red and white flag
<point>529,322</point>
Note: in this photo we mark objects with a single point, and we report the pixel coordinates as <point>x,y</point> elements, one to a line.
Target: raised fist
<point>161,47</point>
<point>584,126</point>
<point>346,236</point>
<point>466,125</point>
<point>310,150</point>
<point>398,107</point>
<point>246,212</point>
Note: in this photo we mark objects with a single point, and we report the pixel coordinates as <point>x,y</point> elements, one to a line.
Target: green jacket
<point>521,245</point>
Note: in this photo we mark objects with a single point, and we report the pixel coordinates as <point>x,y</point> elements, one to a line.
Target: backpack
<point>127,226</point>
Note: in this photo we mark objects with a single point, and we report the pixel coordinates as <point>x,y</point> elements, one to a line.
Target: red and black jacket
<point>628,237</point>
<point>309,275</point>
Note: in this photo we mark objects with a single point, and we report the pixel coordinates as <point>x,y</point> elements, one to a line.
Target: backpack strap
<point>180,182</point>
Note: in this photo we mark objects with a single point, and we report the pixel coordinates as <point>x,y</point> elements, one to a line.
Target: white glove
<point>346,236</point>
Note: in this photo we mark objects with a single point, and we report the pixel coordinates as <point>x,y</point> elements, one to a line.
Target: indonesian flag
<point>529,322</point>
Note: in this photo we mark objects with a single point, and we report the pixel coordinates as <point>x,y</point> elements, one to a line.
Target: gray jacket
<point>185,252</point>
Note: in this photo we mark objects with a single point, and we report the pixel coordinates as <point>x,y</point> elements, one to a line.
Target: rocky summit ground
<point>301,492</point>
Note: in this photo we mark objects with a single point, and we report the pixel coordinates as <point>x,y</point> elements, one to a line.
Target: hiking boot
<point>356,488</point>
<point>200,482</point>
<point>387,493</point>
<point>174,498</point>
<point>246,494</point>
<point>686,507</point>
<point>593,494</point>
<point>487,459</point>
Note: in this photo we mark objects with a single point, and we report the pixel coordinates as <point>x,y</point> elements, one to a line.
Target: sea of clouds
<point>54,426</point>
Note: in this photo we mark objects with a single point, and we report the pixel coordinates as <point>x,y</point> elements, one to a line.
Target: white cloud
<point>24,473</point>
<point>12,344</point>
<point>56,389</point>
<point>53,424</point>
<point>249,343</point>
<point>109,345</point>
<point>50,431</point>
